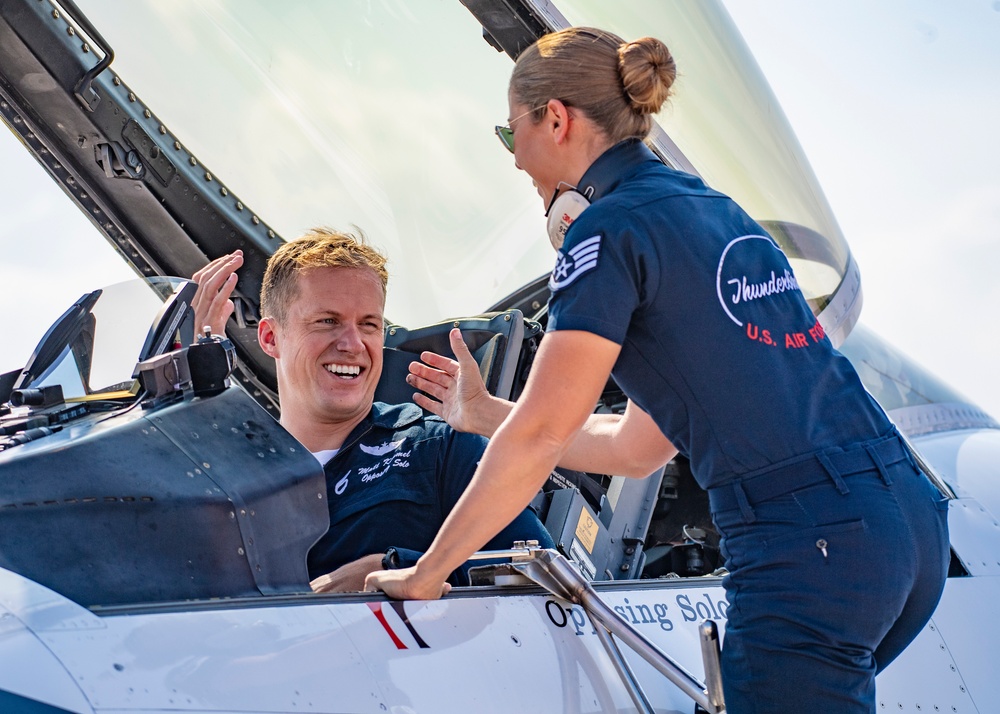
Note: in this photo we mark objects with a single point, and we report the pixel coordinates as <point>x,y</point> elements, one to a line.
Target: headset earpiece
<point>566,207</point>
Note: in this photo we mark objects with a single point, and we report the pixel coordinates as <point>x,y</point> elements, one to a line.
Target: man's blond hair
<point>318,248</point>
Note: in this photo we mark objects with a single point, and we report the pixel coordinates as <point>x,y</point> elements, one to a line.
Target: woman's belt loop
<point>897,436</point>
<point>831,470</point>
<point>745,508</point>
<point>876,458</point>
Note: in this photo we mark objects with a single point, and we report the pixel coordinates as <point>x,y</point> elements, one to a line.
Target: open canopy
<point>239,123</point>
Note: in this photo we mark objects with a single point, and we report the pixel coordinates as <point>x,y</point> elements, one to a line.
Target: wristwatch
<point>390,561</point>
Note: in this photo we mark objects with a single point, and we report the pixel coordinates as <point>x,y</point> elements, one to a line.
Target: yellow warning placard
<point>586,531</point>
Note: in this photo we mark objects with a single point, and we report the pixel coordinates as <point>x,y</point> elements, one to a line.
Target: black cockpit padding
<point>202,498</point>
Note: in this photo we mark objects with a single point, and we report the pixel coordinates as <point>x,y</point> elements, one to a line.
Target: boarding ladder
<point>555,573</point>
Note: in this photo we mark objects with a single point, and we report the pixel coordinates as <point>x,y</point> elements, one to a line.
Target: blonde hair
<point>617,84</point>
<point>317,248</point>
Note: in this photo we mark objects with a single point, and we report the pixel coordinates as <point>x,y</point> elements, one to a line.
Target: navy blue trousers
<point>836,562</point>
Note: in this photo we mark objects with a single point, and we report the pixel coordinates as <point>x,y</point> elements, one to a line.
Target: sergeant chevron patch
<point>574,263</point>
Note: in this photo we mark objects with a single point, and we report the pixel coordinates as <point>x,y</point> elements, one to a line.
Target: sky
<point>895,104</point>
<point>897,108</point>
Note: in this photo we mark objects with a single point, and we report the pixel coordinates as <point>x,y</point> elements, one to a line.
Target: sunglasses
<point>506,134</point>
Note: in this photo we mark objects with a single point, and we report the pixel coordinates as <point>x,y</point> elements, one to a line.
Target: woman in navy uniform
<point>836,544</point>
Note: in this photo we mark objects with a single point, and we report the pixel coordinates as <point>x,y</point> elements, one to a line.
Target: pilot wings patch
<point>574,263</point>
<point>381,449</point>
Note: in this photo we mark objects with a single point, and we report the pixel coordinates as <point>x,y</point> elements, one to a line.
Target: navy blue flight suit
<point>836,544</point>
<point>392,484</point>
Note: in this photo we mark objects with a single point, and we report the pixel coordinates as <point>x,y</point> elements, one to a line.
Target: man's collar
<point>394,416</point>
<point>381,416</point>
<point>385,416</point>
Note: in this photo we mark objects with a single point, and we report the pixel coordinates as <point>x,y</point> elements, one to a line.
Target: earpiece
<point>566,206</point>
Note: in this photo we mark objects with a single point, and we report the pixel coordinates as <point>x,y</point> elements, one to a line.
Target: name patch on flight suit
<point>385,456</point>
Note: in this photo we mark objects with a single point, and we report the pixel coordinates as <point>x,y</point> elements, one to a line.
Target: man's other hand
<point>348,578</point>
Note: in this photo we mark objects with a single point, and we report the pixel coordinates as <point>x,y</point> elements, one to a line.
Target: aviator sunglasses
<point>506,134</point>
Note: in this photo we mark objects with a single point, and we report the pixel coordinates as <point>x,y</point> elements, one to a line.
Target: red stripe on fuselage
<point>376,607</point>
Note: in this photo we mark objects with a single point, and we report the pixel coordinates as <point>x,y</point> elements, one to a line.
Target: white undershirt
<point>324,456</point>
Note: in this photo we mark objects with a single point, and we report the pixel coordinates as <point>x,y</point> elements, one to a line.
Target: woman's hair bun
<point>648,71</point>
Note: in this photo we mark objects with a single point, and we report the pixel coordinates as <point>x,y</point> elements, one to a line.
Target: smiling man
<point>393,474</point>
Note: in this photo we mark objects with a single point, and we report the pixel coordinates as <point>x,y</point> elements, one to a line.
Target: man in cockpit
<point>392,473</point>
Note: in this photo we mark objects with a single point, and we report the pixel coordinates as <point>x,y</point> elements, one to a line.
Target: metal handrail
<point>711,655</point>
<point>557,575</point>
<point>621,665</point>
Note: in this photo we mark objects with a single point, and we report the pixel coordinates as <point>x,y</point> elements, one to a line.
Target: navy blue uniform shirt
<point>393,483</point>
<point>718,343</point>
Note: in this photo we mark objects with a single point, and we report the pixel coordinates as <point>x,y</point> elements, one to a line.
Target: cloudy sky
<point>895,104</point>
